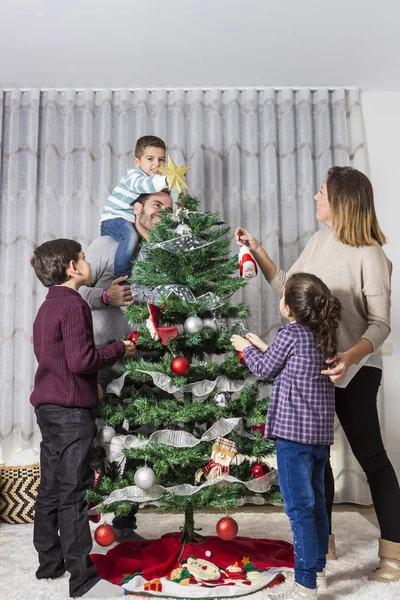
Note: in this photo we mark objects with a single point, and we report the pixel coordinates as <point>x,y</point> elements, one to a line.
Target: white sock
<point>104,589</point>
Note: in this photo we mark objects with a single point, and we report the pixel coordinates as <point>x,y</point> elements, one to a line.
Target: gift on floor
<point>18,490</point>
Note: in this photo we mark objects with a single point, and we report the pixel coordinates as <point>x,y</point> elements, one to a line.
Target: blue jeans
<point>123,232</point>
<point>301,479</point>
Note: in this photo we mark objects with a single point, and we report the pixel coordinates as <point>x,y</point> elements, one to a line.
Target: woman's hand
<point>239,342</point>
<point>343,361</point>
<point>257,342</point>
<point>243,237</point>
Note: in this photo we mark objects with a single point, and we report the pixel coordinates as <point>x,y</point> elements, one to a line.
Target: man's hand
<point>239,342</point>
<point>257,342</point>
<point>120,295</point>
<point>130,349</point>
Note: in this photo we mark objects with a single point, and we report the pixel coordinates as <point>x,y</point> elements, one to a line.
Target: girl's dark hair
<point>50,260</point>
<point>314,306</point>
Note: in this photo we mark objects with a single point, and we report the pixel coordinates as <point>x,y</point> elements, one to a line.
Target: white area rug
<point>356,541</point>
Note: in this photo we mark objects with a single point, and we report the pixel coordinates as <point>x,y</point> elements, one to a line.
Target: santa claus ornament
<point>247,264</point>
<point>223,451</point>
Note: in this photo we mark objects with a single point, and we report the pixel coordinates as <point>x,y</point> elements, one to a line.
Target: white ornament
<point>221,399</point>
<point>144,478</point>
<point>183,229</point>
<point>193,325</point>
<point>106,434</point>
<point>211,323</point>
<point>208,553</point>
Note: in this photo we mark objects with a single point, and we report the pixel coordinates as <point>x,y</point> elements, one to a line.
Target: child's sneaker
<point>331,548</point>
<point>322,584</point>
<point>299,592</point>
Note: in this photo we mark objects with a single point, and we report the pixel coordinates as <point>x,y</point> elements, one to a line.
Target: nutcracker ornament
<point>247,265</point>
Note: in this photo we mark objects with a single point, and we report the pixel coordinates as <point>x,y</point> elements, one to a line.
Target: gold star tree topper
<point>175,175</point>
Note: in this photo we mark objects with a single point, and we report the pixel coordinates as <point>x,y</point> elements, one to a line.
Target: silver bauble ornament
<point>221,399</point>
<point>106,434</point>
<point>193,325</point>
<point>211,323</point>
<point>183,229</point>
<point>144,478</point>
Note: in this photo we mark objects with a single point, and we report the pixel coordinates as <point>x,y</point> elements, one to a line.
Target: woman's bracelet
<point>104,297</point>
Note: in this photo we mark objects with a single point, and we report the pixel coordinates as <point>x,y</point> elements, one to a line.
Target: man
<point>107,295</point>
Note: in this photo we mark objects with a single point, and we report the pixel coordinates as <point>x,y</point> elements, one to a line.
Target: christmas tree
<point>186,410</point>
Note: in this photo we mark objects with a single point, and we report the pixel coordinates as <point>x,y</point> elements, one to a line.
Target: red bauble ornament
<point>259,428</point>
<point>96,517</point>
<point>259,470</point>
<point>180,365</point>
<point>105,535</point>
<point>241,357</point>
<point>133,336</point>
<point>227,528</point>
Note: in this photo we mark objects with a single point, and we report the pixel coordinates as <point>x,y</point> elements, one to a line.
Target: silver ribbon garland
<point>199,388</point>
<point>187,242</point>
<point>135,494</point>
<point>176,438</point>
<point>159,294</point>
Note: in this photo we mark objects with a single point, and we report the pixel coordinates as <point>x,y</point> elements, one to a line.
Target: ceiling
<point>200,43</point>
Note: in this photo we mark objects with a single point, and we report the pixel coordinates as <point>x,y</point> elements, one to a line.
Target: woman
<point>349,259</point>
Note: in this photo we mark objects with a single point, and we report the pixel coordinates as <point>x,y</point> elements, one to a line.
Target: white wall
<point>382,127</point>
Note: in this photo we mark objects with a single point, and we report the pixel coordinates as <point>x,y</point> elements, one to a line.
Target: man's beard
<point>145,221</point>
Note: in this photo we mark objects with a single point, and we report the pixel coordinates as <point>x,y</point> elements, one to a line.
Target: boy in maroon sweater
<point>64,394</point>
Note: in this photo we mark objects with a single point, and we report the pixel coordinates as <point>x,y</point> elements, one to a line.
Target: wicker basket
<point>18,489</point>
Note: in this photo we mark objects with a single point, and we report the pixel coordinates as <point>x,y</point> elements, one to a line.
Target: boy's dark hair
<point>314,306</point>
<point>146,141</point>
<point>51,259</point>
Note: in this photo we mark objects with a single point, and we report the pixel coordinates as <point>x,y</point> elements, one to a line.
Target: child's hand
<point>257,342</point>
<point>130,348</point>
<point>239,342</point>
<point>100,393</point>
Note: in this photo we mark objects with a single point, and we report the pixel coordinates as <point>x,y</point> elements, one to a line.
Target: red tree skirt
<point>241,566</point>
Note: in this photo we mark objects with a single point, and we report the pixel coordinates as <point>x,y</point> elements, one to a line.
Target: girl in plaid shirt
<point>301,415</point>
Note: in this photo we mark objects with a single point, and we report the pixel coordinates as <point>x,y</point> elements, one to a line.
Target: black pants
<point>356,408</point>
<point>61,532</point>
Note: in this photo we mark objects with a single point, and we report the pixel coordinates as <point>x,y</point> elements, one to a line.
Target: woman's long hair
<point>314,306</point>
<point>351,199</point>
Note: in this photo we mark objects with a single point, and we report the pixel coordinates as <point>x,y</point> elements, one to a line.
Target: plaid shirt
<point>302,407</point>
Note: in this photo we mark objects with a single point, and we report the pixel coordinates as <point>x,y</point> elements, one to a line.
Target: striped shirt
<point>132,185</point>
<point>302,407</point>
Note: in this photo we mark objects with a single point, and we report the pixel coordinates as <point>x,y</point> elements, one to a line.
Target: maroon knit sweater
<point>64,348</point>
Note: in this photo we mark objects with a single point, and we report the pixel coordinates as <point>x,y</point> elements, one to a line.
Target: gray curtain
<point>256,156</point>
